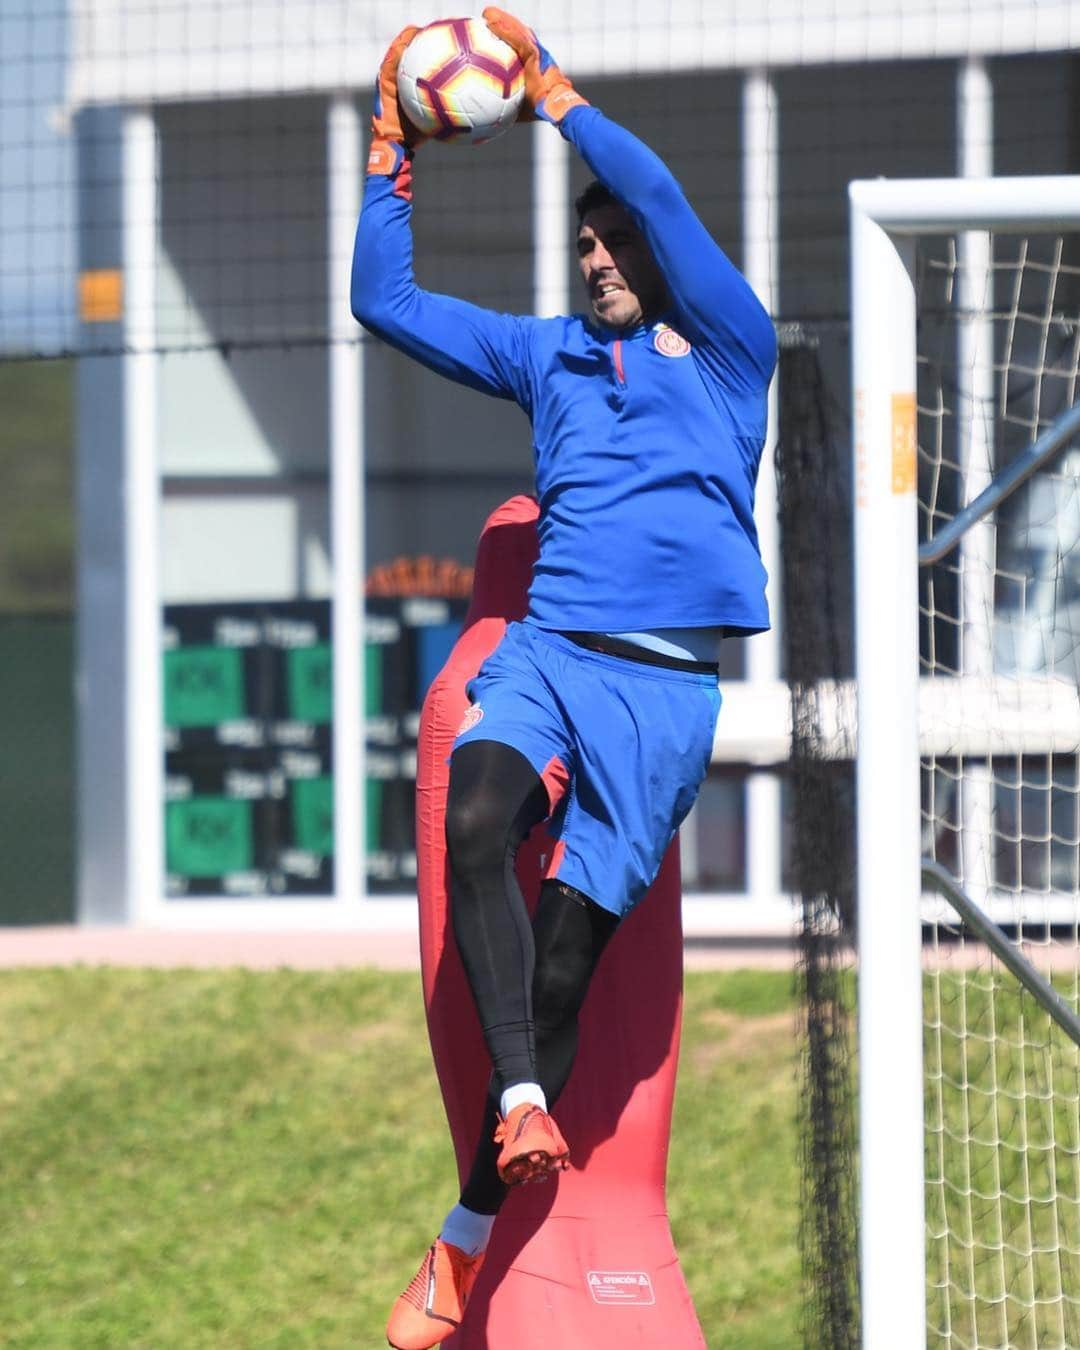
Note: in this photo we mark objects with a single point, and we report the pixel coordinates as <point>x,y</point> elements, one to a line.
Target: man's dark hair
<point>595,195</point>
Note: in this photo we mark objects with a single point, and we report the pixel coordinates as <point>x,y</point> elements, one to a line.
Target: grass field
<point>215,1158</point>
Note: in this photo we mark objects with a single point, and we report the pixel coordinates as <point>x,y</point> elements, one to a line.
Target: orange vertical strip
<point>903,444</point>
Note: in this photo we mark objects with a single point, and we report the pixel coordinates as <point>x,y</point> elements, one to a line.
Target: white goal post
<point>889,222</point>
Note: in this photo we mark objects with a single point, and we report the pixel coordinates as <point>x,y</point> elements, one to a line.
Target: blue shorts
<point>622,747</point>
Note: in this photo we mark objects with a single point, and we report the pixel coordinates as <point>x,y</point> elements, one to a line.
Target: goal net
<point>998,355</point>
<point>972,408</point>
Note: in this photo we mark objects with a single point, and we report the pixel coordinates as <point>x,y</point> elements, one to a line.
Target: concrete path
<point>70,945</point>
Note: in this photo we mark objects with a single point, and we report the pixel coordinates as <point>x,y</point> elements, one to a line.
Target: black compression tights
<point>570,932</point>
<point>495,799</point>
<point>529,980</point>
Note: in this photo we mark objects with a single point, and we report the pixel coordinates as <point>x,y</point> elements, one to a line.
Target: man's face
<point>620,274</point>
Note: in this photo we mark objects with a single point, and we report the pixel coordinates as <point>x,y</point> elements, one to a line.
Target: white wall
<point>164,50</point>
<point>243,397</point>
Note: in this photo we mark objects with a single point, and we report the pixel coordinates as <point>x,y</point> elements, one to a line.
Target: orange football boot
<point>533,1147</point>
<point>432,1307</point>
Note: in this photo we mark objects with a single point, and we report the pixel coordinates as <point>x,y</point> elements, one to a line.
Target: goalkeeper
<point>596,712</point>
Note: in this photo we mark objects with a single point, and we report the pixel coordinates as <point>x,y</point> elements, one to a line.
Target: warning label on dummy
<point>620,1286</point>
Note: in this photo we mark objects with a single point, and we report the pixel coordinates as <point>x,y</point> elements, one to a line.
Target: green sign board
<point>310,683</point>
<point>203,686</point>
<point>313,814</point>
<point>373,679</point>
<point>208,836</point>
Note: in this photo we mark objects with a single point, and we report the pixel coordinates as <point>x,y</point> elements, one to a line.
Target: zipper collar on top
<point>607,335</point>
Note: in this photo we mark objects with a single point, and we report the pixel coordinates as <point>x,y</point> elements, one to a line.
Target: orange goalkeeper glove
<point>392,134</point>
<point>549,95</point>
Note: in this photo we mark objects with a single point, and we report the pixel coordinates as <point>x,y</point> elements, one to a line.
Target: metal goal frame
<point>886,217</point>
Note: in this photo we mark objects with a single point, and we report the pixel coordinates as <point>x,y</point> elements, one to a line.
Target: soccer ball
<point>460,83</point>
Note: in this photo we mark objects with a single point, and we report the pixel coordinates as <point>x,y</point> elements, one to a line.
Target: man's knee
<point>495,798</point>
<point>477,829</point>
<point>559,988</point>
<point>570,932</point>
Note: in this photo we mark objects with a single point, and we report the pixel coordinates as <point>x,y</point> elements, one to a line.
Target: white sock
<point>468,1230</point>
<point>522,1092</point>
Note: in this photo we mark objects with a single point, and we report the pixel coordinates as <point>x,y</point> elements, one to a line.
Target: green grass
<point>214,1158</point>
<point>36,489</point>
<point>733,1172</point>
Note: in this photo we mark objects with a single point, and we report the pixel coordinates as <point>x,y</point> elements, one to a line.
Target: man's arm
<point>715,305</point>
<point>468,344</point>
<point>712,298</point>
<point>456,339</point>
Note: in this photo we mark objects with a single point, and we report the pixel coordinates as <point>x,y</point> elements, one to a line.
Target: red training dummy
<point>587,1259</point>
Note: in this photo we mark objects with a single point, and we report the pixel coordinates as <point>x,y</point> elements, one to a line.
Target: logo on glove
<point>381,158</point>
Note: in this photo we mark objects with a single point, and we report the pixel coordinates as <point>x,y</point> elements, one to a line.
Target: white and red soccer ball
<point>459,83</point>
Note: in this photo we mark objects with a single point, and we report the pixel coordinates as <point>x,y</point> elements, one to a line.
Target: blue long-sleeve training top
<point>646,440</point>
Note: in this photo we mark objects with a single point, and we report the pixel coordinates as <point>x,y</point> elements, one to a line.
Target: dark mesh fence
<point>815,515</point>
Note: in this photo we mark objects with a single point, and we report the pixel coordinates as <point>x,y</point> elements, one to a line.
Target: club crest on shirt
<point>669,343</point>
<point>472,716</point>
